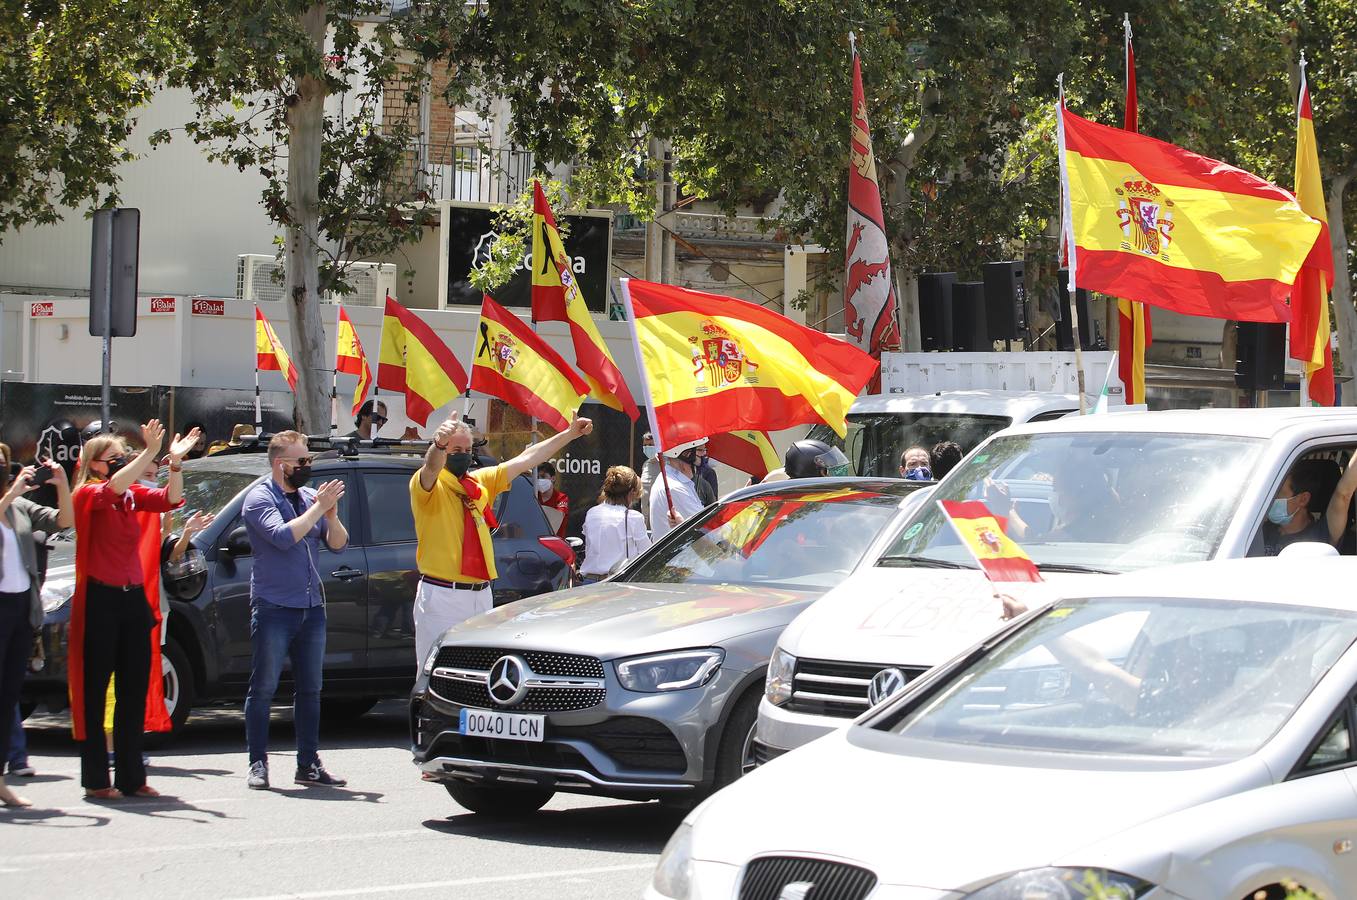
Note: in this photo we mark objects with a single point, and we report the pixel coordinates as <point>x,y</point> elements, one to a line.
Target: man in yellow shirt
<point>453,520</point>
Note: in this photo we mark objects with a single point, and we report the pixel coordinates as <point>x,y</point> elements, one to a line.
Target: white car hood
<point>909,616</point>
<point>941,824</point>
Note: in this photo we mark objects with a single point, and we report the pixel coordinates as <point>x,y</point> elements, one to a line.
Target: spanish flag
<point>1133,318</point>
<point>350,359</point>
<point>1310,298</point>
<point>749,451</point>
<point>269,353</point>
<point>1152,222</point>
<point>556,297</point>
<point>520,368</point>
<point>716,364</point>
<point>999,557</point>
<point>416,362</point>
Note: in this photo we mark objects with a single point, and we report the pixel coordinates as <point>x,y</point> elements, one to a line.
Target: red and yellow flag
<point>521,369</point>
<point>1133,318</point>
<point>556,297</point>
<point>1310,297</point>
<point>749,451</point>
<point>269,352</point>
<point>717,364</point>
<point>415,361</point>
<point>1153,222</point>
<point>350,359</point>
<point>999,557</point>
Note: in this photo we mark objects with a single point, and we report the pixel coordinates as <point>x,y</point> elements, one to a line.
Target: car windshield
<point>1105,502</point>
<point>806,539</point>
<point>208,490</point>
<point>1180,678</point>
<point>875,440</point>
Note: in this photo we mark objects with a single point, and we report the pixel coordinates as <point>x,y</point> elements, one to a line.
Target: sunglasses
<point>379,420</point>
<point>299,461</point>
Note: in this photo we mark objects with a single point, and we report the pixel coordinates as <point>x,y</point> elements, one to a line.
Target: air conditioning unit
<point>256,274</point>
<point>371,283</point>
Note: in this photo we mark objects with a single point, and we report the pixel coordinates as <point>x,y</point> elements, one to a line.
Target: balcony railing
<point>469,173</point>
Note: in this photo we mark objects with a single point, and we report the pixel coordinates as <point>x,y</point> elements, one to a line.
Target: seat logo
<point>797,890</point>
<point>885,684</point>
<point>507,680</point>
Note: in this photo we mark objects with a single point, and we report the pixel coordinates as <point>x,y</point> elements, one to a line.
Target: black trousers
<point>16,644</point>
<point>117,642</point>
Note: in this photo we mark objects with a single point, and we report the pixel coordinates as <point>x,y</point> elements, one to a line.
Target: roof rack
<point>329,446</point>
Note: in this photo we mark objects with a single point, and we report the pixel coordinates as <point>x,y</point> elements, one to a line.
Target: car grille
<point>632,742</point>
<point>544,755</point>
<point>827,687</point>
<point>764,753</point>
<point>475,693</point>
<point>766,878</point>
<point>542,662</point>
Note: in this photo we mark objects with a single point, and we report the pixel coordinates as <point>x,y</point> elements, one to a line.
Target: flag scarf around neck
<point>269,351</point>
<point>556,297</point>
<point>717,364</point>
<point>751,452</point>
<point>350,359</point>
<point>868,286</point>
<point>477,548</point>
<point>520,368</point>
<point>148,552</point>
<point>999,557</point>
<point>1310,341</point>
<point>415,361</point>
<point>1153,222</point>
<point>1133,317</point>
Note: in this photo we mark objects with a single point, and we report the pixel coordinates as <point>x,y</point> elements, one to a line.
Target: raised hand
<point>443,435</point>
<point>328,496</point>
<point>152,434</point>
<point>58,473</point>
<point>197,522</point>
<point>22,483</point>
<point>581,427</point>
<point>180,447</point>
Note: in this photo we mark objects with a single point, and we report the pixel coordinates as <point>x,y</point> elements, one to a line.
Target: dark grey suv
<point>369,586</point>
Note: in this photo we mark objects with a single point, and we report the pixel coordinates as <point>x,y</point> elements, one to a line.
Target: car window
<point>1335,749</point>
<point>345,502</point>
<point>390,520</point>
<point>1052,415</point>
<point>879,438</point>
<point>208,490</point>
<point>1324,467</point>
<point>518,512</point>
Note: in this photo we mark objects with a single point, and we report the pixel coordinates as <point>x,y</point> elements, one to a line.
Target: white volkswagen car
<point>1087,497</point>
<point>1183,733</point>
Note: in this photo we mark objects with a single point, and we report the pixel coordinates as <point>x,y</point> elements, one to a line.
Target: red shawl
<point>148,548</point>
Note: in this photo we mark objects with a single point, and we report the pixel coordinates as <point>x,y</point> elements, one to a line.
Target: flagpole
<point>1067,212</point>
<point>1304,367</point>
<point>258,414</point>
<point>645,384</point>
<point>334,377</point>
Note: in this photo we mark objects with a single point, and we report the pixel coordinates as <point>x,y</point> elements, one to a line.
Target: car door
<point>524,564</point>
<point>392,574</point>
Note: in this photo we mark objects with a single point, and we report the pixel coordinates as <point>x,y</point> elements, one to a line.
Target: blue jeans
<point>17,752</point>
<point>278,633</point>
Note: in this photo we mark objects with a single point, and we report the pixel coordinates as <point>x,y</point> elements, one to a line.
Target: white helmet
<point>673,452</point>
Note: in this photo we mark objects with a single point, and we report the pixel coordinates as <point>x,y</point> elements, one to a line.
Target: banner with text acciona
<point>471,233</point>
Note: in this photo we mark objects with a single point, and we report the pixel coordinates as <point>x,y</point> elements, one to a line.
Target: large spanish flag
<point>999,557</point>
<point>521,369</point>
<point>556,297</point>
<point>716,364</point>
<point>269,352</point>
<point>749,451</point>
<point>350,359</point>
<point>1153,222</point>
<point>416,362</point>
<point>1310,298</point>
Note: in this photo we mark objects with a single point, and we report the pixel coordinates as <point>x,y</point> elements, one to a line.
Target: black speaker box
<point>969,329</point>
<point>1064,325</point>
<point>1005,296</point>
<point>1261,356</point>
<point>935,310</point>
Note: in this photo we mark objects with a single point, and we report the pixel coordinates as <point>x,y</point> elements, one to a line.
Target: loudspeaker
<point>1261,356</point>
<point>1005,298</point>
<point>1064,324</point>
<point>969,329</point>
<point>935,310</point>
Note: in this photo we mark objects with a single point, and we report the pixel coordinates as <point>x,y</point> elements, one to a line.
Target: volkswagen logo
<point>507,680</point>
<point>885,684</point>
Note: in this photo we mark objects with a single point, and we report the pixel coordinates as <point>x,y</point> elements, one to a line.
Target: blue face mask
<point>1277,514</point>
<point>649,452</point>
<point>920,473</point>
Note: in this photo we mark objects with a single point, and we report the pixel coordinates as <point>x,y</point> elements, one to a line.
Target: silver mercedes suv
<point>646,685</point>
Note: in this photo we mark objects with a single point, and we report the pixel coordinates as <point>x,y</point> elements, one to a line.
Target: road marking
<point>213,845</point>
<point>458,882</point>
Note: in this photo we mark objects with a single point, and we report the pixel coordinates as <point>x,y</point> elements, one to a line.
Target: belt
<point>455,585</point>
<point>125,588</point>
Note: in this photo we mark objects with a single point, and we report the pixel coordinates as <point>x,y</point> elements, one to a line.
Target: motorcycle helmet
<point>96,428</point>
<point>814,459</point>
<point>184,578</point>
<point>686,452</point>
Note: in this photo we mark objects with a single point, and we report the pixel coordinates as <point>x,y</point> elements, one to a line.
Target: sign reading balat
<point>162,304</point>
<point>202,306</point>
<point>471,233</point>
<point>42,310</point>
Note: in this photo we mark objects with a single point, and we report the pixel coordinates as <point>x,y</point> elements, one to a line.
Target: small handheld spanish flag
<point>350,359</point>
<point>269,351</point>
<point>998,556</point>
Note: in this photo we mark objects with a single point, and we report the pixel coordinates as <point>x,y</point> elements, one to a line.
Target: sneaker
<point>316,774</point>
<point>259,776</point>
<point>23,771</point>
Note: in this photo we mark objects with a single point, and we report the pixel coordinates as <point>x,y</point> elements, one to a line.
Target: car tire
<point>734,755</point>
<point>344,710</point>
<point>499,802</point>
<point>180,688</point>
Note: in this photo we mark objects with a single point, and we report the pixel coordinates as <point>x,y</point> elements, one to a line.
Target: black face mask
<point>298,477</point>
<point>459,463</point>
<point>115,465</point>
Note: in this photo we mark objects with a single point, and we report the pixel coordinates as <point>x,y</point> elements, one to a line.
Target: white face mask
<point>544,485</point>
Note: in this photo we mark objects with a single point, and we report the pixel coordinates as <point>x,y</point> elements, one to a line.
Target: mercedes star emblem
<point>886,683</point>
<point>507,680</point>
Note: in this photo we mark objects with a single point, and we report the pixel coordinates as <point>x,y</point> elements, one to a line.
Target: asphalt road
<point>387,834</point>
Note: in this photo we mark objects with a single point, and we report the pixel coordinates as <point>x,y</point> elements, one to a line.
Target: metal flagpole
<point>334,377</point>
<point>1304,372</point>
<point>1068,214</point>
<point>645,384</point>
<point>258,414</point>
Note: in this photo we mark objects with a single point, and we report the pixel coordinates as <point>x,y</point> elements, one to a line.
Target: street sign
<point>113,272</point>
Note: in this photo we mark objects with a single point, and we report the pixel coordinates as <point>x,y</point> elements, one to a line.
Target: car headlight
<point>778,685</point>
<point>431,659</point>
<point>1064,884</point>
<point>673,873</point>
<point>669,671</point>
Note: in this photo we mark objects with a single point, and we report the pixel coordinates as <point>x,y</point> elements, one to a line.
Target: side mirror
<point>237,543</point>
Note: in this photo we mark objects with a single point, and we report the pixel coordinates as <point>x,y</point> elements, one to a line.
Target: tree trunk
<point>1343,298</point>
<point>305,125</point>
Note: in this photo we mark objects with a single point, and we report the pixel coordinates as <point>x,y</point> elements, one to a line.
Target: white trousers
<point>439,608</point>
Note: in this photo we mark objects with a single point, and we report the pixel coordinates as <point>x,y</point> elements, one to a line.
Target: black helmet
<point>184,578</point>
<point>812,459</point>
<point>96,428</point>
